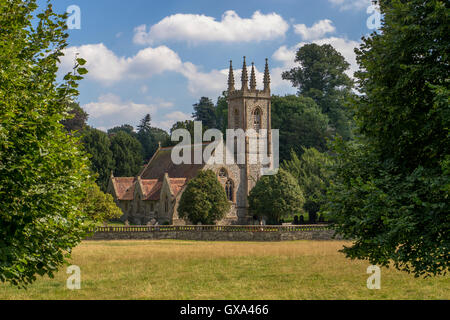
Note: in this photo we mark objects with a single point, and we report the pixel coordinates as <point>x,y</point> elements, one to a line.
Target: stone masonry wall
<point>217,235</point>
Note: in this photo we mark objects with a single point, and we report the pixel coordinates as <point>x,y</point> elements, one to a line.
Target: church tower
<point>250,108</point>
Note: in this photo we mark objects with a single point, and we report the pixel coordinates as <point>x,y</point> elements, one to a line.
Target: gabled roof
<point>124,187</point>
<point>162,163</point>
<point>151,188</point>
<point>177,184</point>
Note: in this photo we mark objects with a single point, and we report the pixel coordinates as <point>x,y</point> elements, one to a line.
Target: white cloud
<point>110,111</point>
<point>170,119</point>
<point>105,67</point>
<point>196,28</point>
<point>317,31</point>
<point>345,5</point>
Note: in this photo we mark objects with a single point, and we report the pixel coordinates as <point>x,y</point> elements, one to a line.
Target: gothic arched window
<point>257,119</point>
<point>229,189</point>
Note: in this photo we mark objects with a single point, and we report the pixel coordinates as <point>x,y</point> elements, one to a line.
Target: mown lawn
<point>224,270</point>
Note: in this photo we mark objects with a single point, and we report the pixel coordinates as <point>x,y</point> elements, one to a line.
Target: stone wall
<point>212,235</point>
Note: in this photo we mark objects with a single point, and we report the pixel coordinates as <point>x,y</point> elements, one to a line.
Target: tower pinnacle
<point>266,76</point>
<point>231,78</point>
<point>253,78</point>
<point>244,76</point>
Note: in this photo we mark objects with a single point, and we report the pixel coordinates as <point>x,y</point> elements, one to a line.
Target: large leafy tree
<point>204,199</point>
<point>313,173</point>
<point>391,191</point>
<point>127,154</point>
<point>205,112</point>
<point>43,173</point>
<point>275,197</point>
<point>97,144</point>
<point>301,124</point>
<point>321,76</point>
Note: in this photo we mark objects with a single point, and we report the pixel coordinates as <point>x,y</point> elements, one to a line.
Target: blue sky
<point>160,57</point>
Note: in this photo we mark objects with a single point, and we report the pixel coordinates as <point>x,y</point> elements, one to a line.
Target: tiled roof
<point>177,184</point>
<point>151,189</point>
<point>161,163</point>
<point>124,187</point>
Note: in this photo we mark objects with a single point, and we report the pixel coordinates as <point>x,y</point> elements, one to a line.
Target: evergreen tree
<point>205,112</point>
<point>222,112</point>
<point>98,144</point>
<point>275,197</point>
<point>390,194</point>
<point>313,173</point>
<point>76,121</point>
<point>204,200</point>
<point>127,154</point>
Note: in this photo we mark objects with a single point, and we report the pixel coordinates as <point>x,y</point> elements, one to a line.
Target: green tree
<point>390,193</point>
<point>205,112</point>
<point>151,137</point>
<point>43,173</point>
<point>301,124</point>
<point>204,199</point>
<point>98,206</point>
<point>98,144</point>
<point>313,173</point>
<point>129,129</point>
<point>222,112</point>
<point>187,124</point>
<point>275,197</point>
<point>321,76</point>
<point>127,154</point>
<point>76,121</point>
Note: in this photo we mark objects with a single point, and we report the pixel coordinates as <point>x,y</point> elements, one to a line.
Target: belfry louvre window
<point>257,119</point>
<point>236,118</point>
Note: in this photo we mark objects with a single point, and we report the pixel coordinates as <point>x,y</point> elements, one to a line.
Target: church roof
<point>124,187</point>
<point>162,163</point>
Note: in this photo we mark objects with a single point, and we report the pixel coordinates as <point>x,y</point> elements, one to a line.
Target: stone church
<point>153,196</point>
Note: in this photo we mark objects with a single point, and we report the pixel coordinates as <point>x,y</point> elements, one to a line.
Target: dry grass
<point>225,270</point>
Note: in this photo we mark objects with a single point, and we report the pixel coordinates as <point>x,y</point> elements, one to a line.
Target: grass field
<point>224,270</point>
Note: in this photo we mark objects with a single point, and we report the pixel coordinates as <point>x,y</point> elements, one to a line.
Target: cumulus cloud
<point>170,119</point>
<point>196,28</point>
<point>105,67</point>
<point>345,5</point>
<point>110,111</point>
<point>317,31</point>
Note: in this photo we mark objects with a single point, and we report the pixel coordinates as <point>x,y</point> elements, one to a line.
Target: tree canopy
<point>43,172</point>
<point>275,197</point>
<point>390,193</point>
<point>301,124</point>
<point>204,199</point>
<point>127,154</point>
<point>321,76</point>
